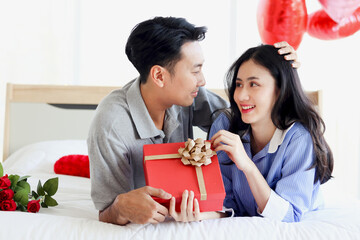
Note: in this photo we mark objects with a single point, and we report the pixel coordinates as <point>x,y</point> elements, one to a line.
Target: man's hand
<point>289,52</point>
<point>136,206</point>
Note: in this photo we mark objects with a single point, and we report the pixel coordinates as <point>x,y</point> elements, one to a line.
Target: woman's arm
<point>232,145</point>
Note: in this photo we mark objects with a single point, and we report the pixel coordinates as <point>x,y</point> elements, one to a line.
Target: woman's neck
<point>260,136</point>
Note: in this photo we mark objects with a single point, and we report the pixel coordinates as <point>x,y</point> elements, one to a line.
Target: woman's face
<point>255,94</point>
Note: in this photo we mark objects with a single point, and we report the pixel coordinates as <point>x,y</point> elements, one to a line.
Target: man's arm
<point>136,206</point>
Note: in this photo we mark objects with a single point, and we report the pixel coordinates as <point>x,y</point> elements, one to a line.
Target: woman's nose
<point>241,94</point>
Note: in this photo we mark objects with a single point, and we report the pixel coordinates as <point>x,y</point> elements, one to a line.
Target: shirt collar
<point>141,117</point>
<point>139,113</point>
<point>278,138</point>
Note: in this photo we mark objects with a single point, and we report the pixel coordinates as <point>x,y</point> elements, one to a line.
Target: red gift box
<point>171,175</point>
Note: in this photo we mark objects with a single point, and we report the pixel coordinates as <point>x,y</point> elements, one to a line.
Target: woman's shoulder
<point>298,130</point>
<point>222,121</point>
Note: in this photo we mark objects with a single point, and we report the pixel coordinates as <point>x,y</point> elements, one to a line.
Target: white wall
<point>82,42</point>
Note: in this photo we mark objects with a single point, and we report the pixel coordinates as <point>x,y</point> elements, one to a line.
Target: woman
<point>271,146</point>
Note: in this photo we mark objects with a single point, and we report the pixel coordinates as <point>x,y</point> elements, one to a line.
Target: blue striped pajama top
<point>285,162</point>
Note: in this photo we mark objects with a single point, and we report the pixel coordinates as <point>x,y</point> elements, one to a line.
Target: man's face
<point>183,85</point>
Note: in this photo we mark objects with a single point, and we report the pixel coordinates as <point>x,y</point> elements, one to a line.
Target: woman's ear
<point>158,75</point>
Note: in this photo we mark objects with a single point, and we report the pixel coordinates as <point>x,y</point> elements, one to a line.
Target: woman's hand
<point>289,52</point>
<point>188,214</point>
<point>231,144</point>
<point>190,210</point>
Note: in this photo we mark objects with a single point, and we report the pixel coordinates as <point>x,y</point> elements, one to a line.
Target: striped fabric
<point>284,162</point>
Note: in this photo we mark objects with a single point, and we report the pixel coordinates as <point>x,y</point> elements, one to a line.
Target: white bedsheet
<point>76,218</point>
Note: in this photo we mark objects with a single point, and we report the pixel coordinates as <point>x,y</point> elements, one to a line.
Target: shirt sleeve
<point>276,207</point>
<point>296,185</point>
<point>205,108</point>
<point>220,123</point>
<point>110,169</point>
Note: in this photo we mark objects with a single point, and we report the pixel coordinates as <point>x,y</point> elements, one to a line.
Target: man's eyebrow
<point>198,65</point>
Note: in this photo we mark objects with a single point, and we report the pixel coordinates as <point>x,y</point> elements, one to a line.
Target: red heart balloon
<point>282,20</point>
<point>339,9</point>
<point>321,26</point>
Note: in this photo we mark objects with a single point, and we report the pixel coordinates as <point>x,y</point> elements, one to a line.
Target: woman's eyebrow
<point>248,79</point>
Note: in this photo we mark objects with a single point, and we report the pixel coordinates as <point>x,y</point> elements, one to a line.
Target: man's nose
<point>201,80</point>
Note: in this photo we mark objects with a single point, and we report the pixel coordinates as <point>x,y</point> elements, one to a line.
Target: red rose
<point>8,205</point>
<point>6,194</point>
<point>33,206</point>
<point>5,182</point>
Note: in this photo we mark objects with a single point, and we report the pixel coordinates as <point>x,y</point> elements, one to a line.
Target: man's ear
<point>158,75</point>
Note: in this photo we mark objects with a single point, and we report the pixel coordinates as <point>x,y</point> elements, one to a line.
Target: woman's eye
<point>238,85</point>
<point>253,84</point>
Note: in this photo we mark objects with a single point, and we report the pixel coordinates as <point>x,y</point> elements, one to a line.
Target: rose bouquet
<point>16,194</point>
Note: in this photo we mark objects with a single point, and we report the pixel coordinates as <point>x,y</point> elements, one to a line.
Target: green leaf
<point>49,201</point>
<point>44,205</point>
<point>23,178</point>
<point>40,189</point>
<point>51,186</point>
<point>23,185</point>
<point>22,208</point>
<point>14,179</point>
<point>22,197</point>
<point>35,195</point>
<point>1,170</point>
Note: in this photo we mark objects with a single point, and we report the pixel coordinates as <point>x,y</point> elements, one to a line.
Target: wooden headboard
<point>78,95</point>
<point>51,94</point>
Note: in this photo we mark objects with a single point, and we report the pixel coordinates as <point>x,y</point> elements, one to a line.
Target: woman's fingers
<point>196,210</point>
<point>189,210</point>
<point>222,137</point>
<point>172,211</point>
<point>183,206</point>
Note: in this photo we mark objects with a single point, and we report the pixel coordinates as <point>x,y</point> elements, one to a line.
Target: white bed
<point>76,218</point>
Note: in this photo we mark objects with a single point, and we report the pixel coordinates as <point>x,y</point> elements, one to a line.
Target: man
<point>160,106</point>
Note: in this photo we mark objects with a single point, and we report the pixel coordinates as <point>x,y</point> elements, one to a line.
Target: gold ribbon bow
<point>196,152</point>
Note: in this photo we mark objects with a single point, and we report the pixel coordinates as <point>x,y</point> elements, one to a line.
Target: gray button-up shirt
<point>120,128</point>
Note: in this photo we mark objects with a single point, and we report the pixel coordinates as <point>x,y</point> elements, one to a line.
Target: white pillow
<point>40,157</point>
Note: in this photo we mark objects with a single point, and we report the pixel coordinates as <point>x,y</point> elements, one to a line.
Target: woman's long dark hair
<point>291,106</point>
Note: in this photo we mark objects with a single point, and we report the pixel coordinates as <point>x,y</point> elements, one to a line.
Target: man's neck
<point>153,104</point>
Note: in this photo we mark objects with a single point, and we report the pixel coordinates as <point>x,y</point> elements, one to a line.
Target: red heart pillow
<point>74,165</point>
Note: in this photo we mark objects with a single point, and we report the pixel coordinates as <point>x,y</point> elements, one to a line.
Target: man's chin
<point>186,103</point>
